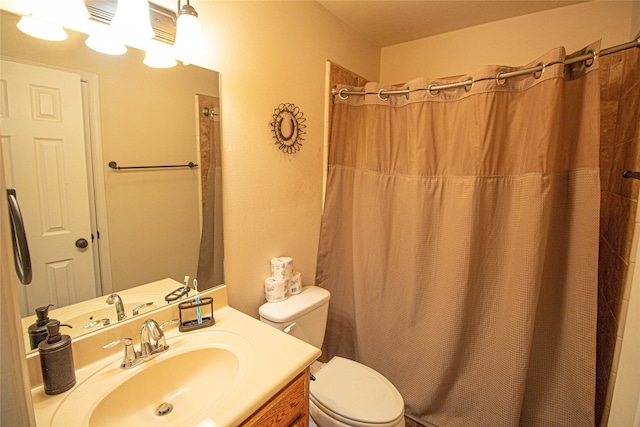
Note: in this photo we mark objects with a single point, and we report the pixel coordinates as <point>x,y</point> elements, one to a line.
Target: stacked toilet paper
<point>283,281</point>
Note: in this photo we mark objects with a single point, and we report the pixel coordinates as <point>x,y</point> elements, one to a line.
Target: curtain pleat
<point>459,242</point>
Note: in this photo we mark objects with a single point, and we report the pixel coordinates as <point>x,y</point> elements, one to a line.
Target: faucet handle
<point>136,311</point>
<point>168,322</point>
<point>129,352</point>
<point>126,341</point>
<point>162,342</point>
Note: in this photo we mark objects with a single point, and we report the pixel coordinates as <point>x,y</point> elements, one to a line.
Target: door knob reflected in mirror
<point>82,243</point>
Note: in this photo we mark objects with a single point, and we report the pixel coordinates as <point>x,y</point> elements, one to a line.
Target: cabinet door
<point>289,407</point>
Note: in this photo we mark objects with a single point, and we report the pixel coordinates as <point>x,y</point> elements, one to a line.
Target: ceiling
<point>389,22</point>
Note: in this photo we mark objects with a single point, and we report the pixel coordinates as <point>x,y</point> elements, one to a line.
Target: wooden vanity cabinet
<point>288,408</point>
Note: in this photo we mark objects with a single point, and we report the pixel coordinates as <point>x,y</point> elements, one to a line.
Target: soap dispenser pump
<point>38,331</point>
<point>56,360</point>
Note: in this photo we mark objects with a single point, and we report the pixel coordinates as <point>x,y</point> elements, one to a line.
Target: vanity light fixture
<point>46,16</point>
<point>189,39</point>
<point>132,19</point>
<point>111,24</point>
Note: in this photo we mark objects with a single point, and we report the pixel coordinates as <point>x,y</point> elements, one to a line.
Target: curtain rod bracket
<point>630,174</point>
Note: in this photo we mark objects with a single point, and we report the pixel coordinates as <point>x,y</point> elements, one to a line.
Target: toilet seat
<point>356,395</point>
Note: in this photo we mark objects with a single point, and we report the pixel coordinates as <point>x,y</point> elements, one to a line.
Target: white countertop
<point>277,359</point>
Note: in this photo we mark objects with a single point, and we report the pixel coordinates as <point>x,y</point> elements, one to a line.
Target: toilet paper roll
<point>275,290</point>
<point>282,268</point>
<point>295,284</point>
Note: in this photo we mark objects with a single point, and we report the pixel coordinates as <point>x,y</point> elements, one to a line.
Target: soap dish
<point>189,314</point>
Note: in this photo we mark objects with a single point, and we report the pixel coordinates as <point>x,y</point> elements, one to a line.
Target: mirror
<point>144,225</point>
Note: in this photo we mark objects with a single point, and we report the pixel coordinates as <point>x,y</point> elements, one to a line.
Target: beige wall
<point>269,53</point>
<point>148,117</point>
<point>515,41</point>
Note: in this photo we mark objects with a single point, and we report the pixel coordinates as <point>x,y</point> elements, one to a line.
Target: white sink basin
<point>179,387</point>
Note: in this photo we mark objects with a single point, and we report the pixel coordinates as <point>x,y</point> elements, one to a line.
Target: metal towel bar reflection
<point>113,165</point>
<point>629,174</point>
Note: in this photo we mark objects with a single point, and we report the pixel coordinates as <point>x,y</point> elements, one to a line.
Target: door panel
<point>44,154</point>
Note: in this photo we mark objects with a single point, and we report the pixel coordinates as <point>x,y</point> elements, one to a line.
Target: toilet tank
<point>308,310</point>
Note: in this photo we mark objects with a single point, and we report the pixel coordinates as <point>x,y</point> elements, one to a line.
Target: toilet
<point>344,392</point>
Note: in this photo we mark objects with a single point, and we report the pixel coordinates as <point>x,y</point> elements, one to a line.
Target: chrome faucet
<point>150,336</point>
<point>115,299</point>
<point>152,343</point>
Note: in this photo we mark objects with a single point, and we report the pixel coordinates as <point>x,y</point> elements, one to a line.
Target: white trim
<point>328,99</point>
<point>99,210</point>
<point>199,160</point>
<point>625,402</point>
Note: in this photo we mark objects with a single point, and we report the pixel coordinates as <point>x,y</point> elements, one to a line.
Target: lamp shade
<point>132,19</point>
<point>76,10</point>
<point>189,39</point>
<point>105,44</point>
<point>59,11</point>
<point>156,60</point>
<point>41,29</point>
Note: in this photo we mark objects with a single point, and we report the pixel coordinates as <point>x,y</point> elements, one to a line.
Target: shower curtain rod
<point>467,84</point>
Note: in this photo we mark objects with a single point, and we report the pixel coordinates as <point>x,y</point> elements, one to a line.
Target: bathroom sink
<point>173,384</point>
<point>179,387</point>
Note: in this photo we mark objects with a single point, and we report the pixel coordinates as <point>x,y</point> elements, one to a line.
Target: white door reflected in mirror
<point>44,156</point>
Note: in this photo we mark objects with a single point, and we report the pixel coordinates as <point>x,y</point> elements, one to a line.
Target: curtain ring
<point>380,96</point>
<point>469,86</point>
<point>344,89</point>
<point>499,79</point>
<point>429,90</point>
<point>538,74</point>
<point>589,62</point>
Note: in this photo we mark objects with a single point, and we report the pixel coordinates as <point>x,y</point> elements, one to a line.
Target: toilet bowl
<point>344,393</point>
<point>348,393</point>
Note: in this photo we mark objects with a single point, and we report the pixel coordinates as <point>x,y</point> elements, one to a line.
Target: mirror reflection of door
<point>44,155</point>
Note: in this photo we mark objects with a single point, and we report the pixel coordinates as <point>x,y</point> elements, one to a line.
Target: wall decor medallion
<point>288,127</point>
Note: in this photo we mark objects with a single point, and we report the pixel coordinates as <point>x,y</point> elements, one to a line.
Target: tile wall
<point>619,151</point>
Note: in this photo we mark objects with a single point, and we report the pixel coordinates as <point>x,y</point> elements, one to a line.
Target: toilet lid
<point>356,392</point>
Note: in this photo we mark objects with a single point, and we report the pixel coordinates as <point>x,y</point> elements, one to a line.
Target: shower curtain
<point>459,242</point>
<point>210,271</point>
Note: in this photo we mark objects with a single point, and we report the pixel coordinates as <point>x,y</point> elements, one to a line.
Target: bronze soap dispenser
<point>56,359</point>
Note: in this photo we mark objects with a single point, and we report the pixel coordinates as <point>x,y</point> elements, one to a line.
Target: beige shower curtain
<point>460,244</point>
<point>211,256</point>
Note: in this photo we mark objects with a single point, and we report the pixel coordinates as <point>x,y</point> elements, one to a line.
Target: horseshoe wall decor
<point>288,127</point>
